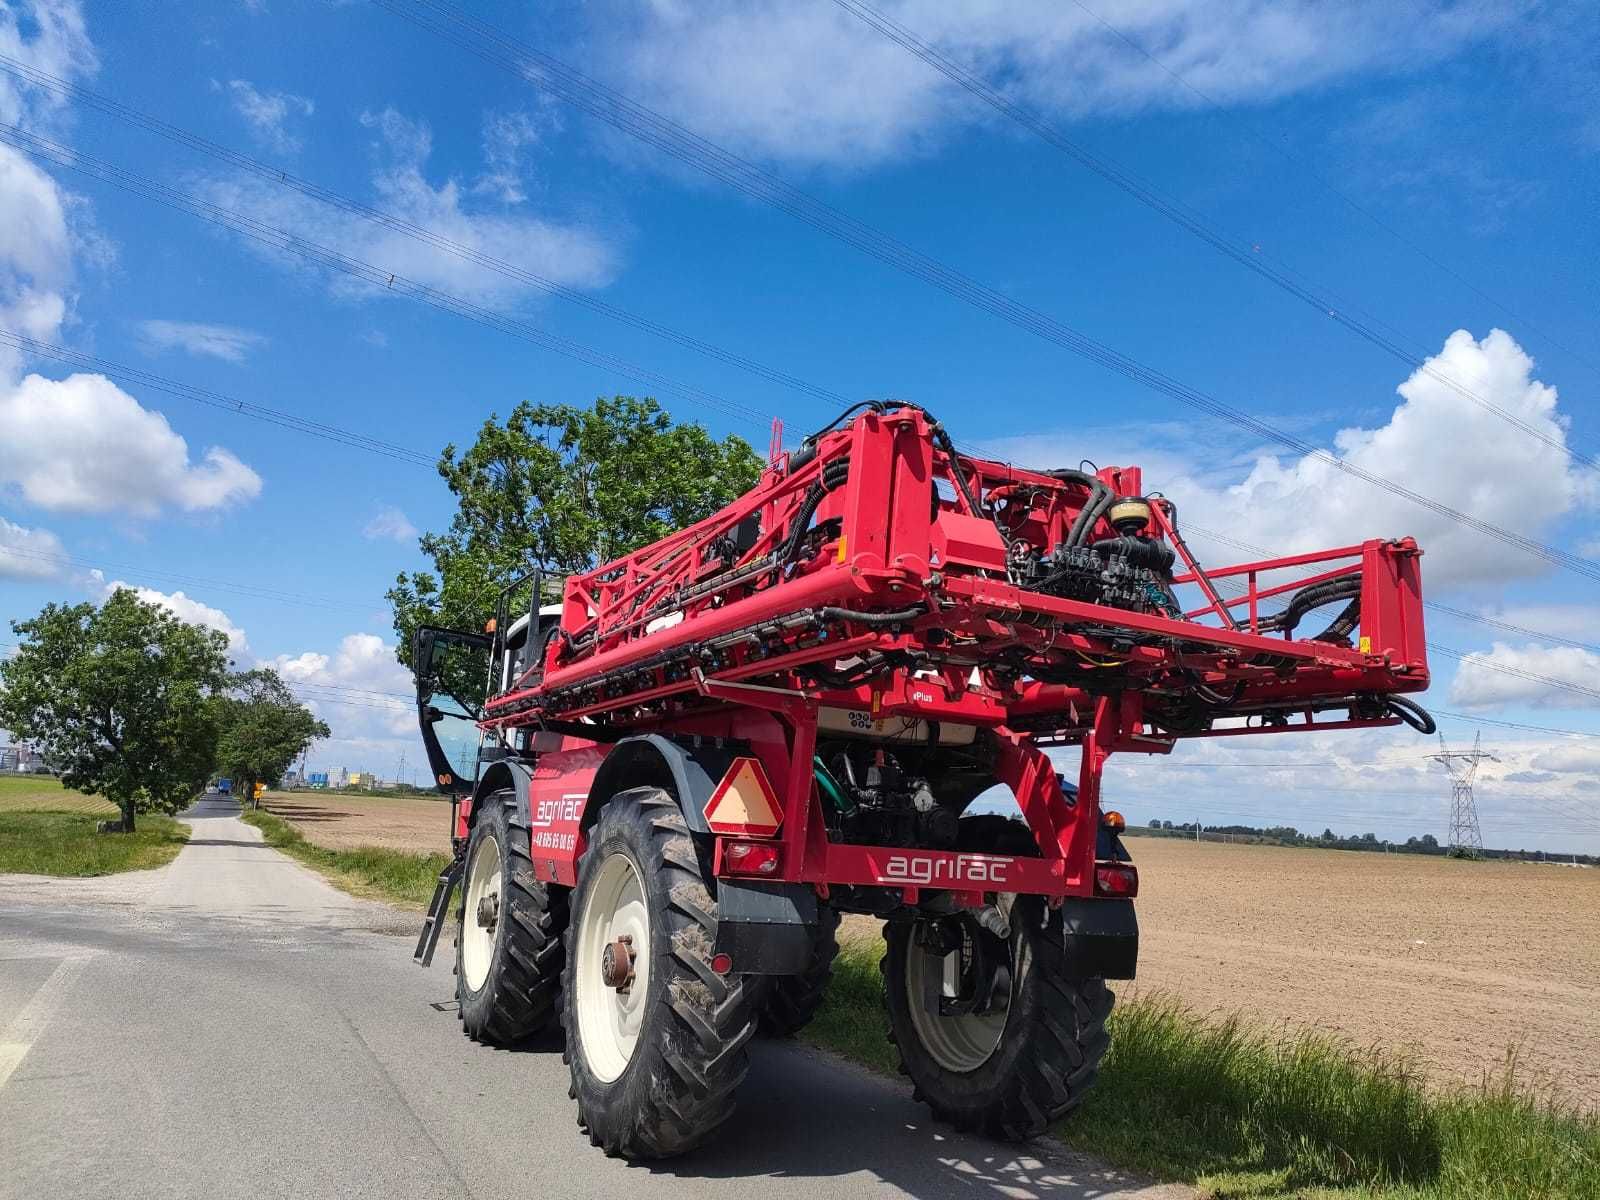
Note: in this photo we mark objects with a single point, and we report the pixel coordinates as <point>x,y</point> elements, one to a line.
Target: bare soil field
<point>1453,961</point>
<point>341,822</point>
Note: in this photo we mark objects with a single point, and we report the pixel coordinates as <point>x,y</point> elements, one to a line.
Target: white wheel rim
<point>483,898</point>
<point>958,1042</point>
<point>609,1017</point>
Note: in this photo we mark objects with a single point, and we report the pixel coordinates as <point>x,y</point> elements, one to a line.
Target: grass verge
<point>65,843</point>
<point>1239,1111</point>
<point>396,876</point>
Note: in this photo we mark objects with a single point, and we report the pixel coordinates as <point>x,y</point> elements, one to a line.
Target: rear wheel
<point>993,1028</point>
<point>657,1041</point>
<point>509,947</point>
<point>790,1001</point>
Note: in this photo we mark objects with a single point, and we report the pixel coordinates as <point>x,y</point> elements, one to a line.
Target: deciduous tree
<point>564,488</point>
<point>119,699</point>
<point>262,730</point>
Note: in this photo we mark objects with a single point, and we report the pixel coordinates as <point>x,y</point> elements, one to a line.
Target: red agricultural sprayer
<point>680,775</point>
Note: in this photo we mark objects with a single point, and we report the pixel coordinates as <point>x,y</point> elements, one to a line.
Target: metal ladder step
<point>438,909</point>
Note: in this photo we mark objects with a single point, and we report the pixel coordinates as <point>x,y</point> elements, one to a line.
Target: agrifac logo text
<point>925,870</point>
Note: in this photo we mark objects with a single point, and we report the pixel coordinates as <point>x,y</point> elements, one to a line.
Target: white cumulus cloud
<point>1518,675</point>
<point>81,444</point>
<point>269,114</point>
<point>187,608</point>
<point>226,342</point>
<point>29,553</point>
<point>1569,758</point>
<point>811,83</point>
<point>360,689</point>
<point>390,523</point>
<point>35,254</point>
<point>1437,442</point>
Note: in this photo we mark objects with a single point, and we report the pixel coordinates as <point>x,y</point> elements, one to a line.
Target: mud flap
<point>1102,938</point>
<point>766,928</point>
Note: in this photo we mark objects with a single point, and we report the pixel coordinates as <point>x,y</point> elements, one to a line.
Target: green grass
<point>396,876</point>
<point>65,843</point>
<point>1240,1111</point>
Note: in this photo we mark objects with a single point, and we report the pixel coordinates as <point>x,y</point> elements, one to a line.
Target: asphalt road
<point>233,1026</point>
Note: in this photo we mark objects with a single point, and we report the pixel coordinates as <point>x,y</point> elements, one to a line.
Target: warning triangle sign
<point>744,802</point>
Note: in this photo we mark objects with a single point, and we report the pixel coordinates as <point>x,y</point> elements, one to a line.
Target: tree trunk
<point>127,815</point>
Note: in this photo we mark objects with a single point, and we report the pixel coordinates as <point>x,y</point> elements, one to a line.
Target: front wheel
<point>657,1041</point>
<point>992,1027</point>
<point>508,937</point>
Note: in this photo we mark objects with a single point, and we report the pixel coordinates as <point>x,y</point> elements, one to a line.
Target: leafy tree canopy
<point>262,730</point>
<point>564,488</point>
<point>118,699</point>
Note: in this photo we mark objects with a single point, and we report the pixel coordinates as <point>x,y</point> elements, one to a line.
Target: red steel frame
<point>702,633</point>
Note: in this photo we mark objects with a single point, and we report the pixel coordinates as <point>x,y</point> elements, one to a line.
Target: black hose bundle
<point>1345,587</point>
<point>1101,497</point>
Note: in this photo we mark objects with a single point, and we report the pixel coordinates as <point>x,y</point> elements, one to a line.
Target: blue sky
<point>1432,168</point>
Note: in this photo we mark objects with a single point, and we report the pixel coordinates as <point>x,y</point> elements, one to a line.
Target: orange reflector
<point>744,802</point>
<point>1116,879</point>
<point>750,858</point>
<point>1113,821</point>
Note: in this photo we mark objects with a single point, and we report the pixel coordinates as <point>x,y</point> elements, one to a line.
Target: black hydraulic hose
<point>1100,499</point>
<point>808,448</point>
<point>1343,625</point>
<point>1139,552</point>
<point>1413,714</point>
<point>833,475</point>
<point>899,616</point>
<point>1312,597</point>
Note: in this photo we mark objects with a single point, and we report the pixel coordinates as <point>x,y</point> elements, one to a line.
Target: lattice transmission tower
<point>1462,766</point>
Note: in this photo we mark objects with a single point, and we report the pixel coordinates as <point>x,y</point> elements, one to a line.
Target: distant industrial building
<point>22,759</point>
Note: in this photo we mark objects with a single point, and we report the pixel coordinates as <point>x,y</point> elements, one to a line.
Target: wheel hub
<point>616,963</point>
<point>480,916</point>
<point>611,973</point>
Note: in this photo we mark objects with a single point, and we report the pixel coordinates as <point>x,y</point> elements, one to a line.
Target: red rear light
<point>1116,879</point>
<point>750,858</point>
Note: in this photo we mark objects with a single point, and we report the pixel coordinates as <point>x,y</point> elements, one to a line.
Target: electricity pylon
<point>1462,766</point>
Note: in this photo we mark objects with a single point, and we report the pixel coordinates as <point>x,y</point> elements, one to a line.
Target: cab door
<point>452,675</point>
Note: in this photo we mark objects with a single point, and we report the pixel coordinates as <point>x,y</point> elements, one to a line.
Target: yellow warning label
<point>1366,645</point>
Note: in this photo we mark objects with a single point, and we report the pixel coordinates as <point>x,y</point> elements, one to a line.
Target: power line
<point>1474,660</point>
<point>1466,717</point>
<point>1508,627</point>
<point>137,376</point>
<point>378,277</point>
<point>488,43</point>
<point>252,591</point>
<point>407,228</point>
<point>1246,256</point>
<point>1349,201</point>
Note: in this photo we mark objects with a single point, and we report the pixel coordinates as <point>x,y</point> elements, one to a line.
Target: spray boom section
<point>878,572</point>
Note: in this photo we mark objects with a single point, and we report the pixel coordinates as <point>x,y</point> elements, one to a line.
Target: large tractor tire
<point>657,1041</point>
<point>790,1001</point>
<point>509,948</point>
<point>996,1033</point>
